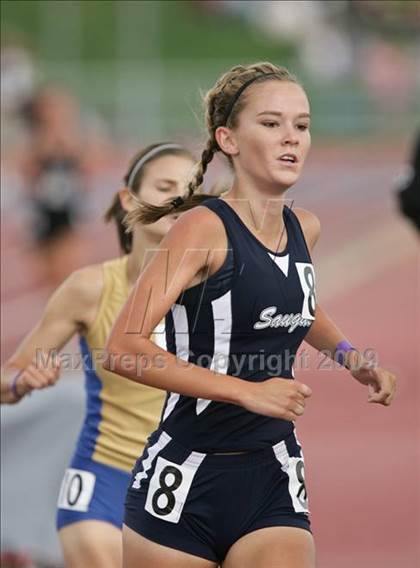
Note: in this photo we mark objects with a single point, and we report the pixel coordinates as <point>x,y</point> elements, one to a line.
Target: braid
<point>206,157</point>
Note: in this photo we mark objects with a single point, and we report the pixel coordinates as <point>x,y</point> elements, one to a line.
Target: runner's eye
<point>270,123</point>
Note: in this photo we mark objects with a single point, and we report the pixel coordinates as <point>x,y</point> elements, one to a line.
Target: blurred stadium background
<point>132,72</point>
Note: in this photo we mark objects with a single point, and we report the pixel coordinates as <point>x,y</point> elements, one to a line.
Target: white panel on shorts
<point>152,452</point>
<point>294,467</point>
<point>170,485</point>
<point>222,318</point>
<point>76,490</point>
<point>297,439</point>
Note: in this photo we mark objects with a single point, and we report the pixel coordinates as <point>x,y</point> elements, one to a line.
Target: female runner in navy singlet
<point>221,481</point>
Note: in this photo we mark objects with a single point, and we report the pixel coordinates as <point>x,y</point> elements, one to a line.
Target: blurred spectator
<point>16,88</point>
<point>288,19</point>
<point>388,74</point>
<point>409,190</point>
<point>17,74</point>
<point>54,176</point>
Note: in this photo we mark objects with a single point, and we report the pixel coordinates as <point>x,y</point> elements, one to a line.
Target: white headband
<point>135,169</point>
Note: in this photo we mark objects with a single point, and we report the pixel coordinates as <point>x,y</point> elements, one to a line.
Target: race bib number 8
<point>169,487</point>
<point>295,469</point>
<point>76,490</point>
<point>307,281</point>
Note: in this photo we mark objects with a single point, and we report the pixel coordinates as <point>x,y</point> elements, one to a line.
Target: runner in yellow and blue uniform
<point>119,415</point>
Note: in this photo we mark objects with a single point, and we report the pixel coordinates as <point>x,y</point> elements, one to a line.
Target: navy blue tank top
<point>246,320</point>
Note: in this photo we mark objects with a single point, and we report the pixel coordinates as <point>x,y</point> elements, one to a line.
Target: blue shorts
<point>203,503</point>
<point>92,491</point>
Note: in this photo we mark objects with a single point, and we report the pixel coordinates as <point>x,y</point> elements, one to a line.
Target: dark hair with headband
<point>133,179</point>
<point>223,104</point>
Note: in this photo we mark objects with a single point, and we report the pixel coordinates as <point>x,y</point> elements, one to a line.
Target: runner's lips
<point>289,158</point>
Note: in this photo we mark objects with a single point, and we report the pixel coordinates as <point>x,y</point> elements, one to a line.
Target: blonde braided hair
<point>223,104</point>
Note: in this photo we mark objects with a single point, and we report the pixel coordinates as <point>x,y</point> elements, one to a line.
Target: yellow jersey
<point>120,414</point>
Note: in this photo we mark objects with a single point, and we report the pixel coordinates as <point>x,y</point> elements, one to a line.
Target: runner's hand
<point>35,377</point>
<point>381,383</point>
<point>276,397</point>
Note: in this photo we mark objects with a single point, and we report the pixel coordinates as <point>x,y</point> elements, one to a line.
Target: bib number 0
<point>76,490</point>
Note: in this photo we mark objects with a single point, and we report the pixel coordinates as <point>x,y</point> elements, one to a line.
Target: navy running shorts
<point>203,503</point>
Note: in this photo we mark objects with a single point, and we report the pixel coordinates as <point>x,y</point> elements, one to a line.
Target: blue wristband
<point>13,385</point>
<point>340,351</point>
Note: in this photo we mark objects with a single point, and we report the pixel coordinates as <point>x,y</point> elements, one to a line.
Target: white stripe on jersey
<point>222,319</point>
<point>159,335</point>
<point>182,338</point>
<point>179,314</point>
<point>170,405</point>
